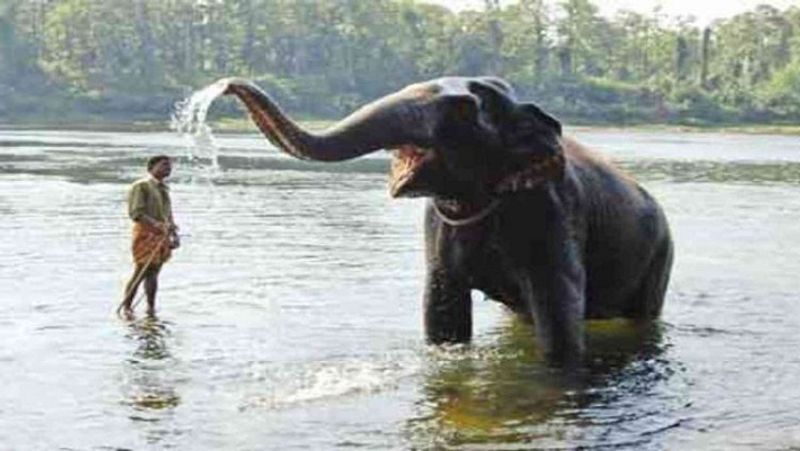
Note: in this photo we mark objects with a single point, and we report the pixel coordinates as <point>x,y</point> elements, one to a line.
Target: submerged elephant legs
<point>447,309</point>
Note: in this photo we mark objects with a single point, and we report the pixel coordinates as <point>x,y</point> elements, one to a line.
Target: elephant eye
<point>462,111</point>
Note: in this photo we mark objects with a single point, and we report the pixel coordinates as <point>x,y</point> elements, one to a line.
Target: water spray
<point>189,120</point>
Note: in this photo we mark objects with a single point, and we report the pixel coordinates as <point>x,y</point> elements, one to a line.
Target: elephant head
<point>453,138</point>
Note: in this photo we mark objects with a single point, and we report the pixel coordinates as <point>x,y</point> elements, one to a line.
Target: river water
<point>291,318</point>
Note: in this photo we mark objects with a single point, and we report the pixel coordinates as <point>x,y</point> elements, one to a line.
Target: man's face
<point>162,169</point>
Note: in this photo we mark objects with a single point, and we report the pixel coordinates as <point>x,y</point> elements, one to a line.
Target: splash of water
<point>324,380</point>
<point>189,120</point>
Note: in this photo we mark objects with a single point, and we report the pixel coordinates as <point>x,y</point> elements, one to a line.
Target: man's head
<point>159,166</point>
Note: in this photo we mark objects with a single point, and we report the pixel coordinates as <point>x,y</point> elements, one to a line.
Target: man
<point>154,231</point>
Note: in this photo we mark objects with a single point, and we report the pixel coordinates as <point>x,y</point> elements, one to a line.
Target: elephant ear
<point>499,84</point>
<point>496,101</point>
<point>532,139</point>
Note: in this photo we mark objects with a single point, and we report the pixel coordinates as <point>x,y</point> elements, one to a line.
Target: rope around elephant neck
<point>536,174</point>
<point>477,217</point>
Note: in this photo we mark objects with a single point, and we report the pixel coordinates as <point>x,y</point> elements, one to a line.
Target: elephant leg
<point>556,304</point>
<point>554,289</point>
<point>447,309</point>
<point>649,298</point>
<point>447,301</point>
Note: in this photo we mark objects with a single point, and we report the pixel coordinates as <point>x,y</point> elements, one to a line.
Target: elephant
<point>516,209</point>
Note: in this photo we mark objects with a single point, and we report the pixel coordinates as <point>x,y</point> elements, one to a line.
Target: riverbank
<point>746,129</point>
<point>244,125</point>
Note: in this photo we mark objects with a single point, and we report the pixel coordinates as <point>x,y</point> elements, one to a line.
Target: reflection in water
<point>506,394</point>
<point>148,386</point>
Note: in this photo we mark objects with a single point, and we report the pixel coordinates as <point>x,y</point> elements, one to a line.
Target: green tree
<point>138,56</point>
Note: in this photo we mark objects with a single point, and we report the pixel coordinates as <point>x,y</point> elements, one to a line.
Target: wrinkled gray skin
<point>531,218</point>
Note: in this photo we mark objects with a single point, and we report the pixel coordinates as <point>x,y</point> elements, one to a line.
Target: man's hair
<point>154,161</point>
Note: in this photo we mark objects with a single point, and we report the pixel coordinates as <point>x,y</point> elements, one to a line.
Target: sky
<point>704,10</point>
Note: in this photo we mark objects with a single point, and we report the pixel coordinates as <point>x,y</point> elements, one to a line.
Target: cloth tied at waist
<point>150,245</point>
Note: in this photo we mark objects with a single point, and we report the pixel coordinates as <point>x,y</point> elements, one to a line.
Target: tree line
<point>132,59</point>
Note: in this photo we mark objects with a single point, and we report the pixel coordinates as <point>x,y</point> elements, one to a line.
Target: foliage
<point>782,93</point>
<point>134,58</point>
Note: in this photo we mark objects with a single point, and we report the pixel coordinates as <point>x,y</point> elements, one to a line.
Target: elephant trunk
<point>385,123</point>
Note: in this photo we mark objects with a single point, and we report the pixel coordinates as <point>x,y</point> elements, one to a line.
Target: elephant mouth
<point>407,162</point>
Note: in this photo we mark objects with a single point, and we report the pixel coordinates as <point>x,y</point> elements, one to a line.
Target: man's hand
<point>174,240</point>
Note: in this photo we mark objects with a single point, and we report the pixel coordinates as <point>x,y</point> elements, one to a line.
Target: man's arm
<point>175,239</point>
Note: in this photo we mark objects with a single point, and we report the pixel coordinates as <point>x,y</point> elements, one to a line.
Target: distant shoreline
<point>224,126</point>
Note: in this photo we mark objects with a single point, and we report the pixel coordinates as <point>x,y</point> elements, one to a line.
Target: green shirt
<point>149,197</point>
